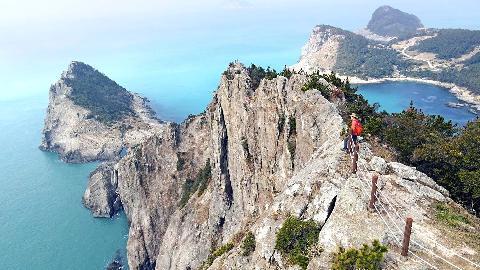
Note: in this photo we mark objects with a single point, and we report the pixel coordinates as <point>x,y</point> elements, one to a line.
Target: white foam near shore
<point>461,93</point>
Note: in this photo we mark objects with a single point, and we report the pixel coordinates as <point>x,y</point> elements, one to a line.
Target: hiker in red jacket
<point>355,131</point>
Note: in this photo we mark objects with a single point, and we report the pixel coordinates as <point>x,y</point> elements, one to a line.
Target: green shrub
<point>246,150</point>
<point>281,123</point>
<point>228,75</point>
<point>292,145</point>
<point>107,101</point>
<point>292,123</point>
<point>447,215</point>
<point>368,258</point>
<point>248,244</point>
<point>410,129</point>
<point>295,238</point>
<point>256,73</point>
<point>200,183</point>
<point>203,177</point>
<point>286,72</point>
<point>454,162</point>
<point>215,254</point>
<point>315,83</point>
<point>292,140</point>
<point>180,162</point>
<point>189,187</point>
<point>270,74</point>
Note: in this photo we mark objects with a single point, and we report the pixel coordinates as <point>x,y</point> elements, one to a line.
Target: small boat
<point>455,105</point>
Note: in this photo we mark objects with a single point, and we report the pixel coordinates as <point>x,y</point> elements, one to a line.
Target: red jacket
<point>356,127</point>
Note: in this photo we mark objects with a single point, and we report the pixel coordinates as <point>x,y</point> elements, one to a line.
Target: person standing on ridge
<point>355,131</point>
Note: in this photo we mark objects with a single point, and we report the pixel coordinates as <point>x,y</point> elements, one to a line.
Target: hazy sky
<point>39,38</point>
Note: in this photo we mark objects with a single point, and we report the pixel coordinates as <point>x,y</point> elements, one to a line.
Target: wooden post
<point>355,158</point>
<point>406,236</point>
<point>373,198</point>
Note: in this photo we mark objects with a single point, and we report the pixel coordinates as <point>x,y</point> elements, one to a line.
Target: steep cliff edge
<point>257,155</point>
<point>90,117</point>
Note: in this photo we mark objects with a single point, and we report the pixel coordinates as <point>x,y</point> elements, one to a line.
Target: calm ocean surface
<point>43,224</point>
<point>396,96</point>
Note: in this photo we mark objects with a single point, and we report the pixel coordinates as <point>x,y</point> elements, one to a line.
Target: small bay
<point>395,97</point>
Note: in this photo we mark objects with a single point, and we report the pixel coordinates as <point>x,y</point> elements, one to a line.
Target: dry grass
<point>382,150</point>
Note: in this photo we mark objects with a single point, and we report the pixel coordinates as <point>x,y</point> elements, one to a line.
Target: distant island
<point>395,45</point>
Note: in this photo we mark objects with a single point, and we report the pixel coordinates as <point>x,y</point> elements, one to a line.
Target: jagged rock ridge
<point>90,117</point>
<point>272,150</point>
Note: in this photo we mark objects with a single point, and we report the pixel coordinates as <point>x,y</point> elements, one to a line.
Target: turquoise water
<point>43,224</point>
<point>432,99</point>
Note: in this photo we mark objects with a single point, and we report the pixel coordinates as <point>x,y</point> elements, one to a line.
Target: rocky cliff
<point>257,155</point>
<point>90,117</point>
<point>388,21</point>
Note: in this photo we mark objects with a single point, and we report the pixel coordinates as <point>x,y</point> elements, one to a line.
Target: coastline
<point>461,93</point>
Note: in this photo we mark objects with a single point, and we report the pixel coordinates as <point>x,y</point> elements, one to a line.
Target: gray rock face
<point>388,21</point>
<point>80,130</point>
<point>321,50</point>
<point>273,151</point>
<point>378,164</point>
<point>101,194</point>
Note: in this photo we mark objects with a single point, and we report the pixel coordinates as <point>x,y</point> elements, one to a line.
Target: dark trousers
<point>345,142</point>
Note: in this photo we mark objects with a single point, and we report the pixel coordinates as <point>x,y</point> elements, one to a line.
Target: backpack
<point>357,128</point>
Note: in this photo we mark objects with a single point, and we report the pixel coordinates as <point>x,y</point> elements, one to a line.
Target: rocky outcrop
<point>320,51</point>
<point>391,22</point>
<point>90,117</point>
<point>254,157</point>
<point>101,194</point>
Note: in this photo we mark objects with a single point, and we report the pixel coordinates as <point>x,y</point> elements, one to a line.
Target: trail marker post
<point>373,193</point>
<point>406,236</point>
<point>355,158</point>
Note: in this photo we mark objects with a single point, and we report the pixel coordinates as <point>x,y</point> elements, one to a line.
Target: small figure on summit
<point>356,129</point>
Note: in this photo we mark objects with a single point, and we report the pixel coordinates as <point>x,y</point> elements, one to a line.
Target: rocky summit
<point>90,117</point>
<point>261,153</point>
<point>388,21</point>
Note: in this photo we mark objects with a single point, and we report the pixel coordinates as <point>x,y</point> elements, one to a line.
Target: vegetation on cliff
<point>200,183</point>
<point>367,257</point>
<point>450,43</point>
<point>248,244</point>
<point>257,73</point>
<point>295,238</point>
<point>361,57</point>
<point>215,254</point>
<point>107,101</point>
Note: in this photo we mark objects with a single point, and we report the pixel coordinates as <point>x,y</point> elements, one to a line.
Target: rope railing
<point>394,234</point>
<point>393,220</point>
<point>416,243</point>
